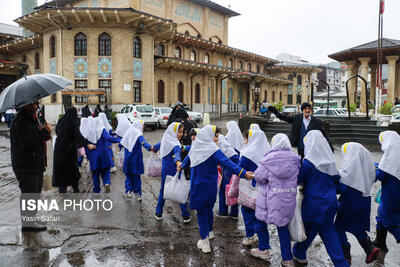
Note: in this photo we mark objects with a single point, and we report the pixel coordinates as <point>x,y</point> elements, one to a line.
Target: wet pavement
<point>129,235</point>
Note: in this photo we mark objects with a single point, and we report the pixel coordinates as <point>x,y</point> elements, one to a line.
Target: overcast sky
<point>311,29</point>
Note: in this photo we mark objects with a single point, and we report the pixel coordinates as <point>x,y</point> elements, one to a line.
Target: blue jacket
<point>319,203</point>
<point>133,161</point>
<point>100,157</point>
<point>354,210</point>
<point>204,179</point>
<point>169,162</point>
<point>249,166</point>
<point>389,208</point>
<point>227,173</point>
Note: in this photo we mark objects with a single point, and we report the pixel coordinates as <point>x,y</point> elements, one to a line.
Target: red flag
<point>382,6</point>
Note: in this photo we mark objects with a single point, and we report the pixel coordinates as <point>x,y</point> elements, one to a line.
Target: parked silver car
<point>141,112</point>
<point>162,115</point>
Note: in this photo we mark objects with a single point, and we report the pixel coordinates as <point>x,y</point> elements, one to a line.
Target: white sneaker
<point>129,194</point>
<point>264,255</point>
<point>250,240</point>
<point>204,245</point>
<point>211,235</point>
<point>139,198</point>
<point>113,169</point>
<point>287,263</point>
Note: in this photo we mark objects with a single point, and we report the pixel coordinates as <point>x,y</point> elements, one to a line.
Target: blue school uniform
<point>389,208</point>
<point>353,214</point>
<point>109,146</point>
<point>100,160</point>
<point>318,211</point>
<point>169,168</point>
<point>203,187</point>
<point>249,216</point>
<point>226,178</point>
<point>133,166</point>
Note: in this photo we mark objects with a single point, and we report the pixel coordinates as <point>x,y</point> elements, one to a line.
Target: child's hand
<point>178,166</point>
<point>91,147</point>
<point>249,175</point>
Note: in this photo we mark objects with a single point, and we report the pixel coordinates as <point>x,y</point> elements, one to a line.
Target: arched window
<point>299,79</point>
<point>258,68</point>
<point>178,52</point>
<point>37,61</point>
<point>273,96</point>
<point>207,58</point>
<point>137,48</point>
<point>180,92</point>
<point>160,50</point>
<point>290,77</point>
<point>187,33</point>
<point>80,44</point>
<point>160,91</point>
<point>280,96</point>
<point>52,46</point>
<point>231,63</point>
<point>249,67</point>
<point>197,93</point>
<point>240,65</point>
<point>104,44</point>
<point>193,55</point>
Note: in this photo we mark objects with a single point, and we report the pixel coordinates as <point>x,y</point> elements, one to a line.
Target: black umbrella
<point>30,88</point>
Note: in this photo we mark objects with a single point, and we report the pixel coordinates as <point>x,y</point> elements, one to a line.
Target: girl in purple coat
<point>276,200</point>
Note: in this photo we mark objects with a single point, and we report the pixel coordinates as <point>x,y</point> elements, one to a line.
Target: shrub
<point>113,114</point>
<point>371,106</point>
<point>353,107</point>
<point>386,109</point>
<point>60,116</point>
<point>279,106</point>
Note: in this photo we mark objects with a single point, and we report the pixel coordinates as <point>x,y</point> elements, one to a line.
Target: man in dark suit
<point>301,124</point>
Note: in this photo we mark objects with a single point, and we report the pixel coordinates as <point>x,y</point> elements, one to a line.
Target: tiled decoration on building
<point>53,66</point>
<point>230,95</point>
<point>80,67</point>
<point>240,96</point>
<point>104,67</point>
<point>223,91</point>
<point>219,63</point>
<point>137,69</point>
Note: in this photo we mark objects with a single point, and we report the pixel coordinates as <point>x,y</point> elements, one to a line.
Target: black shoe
<point>34,227</point>
<point>347,253</point>
<point>221,215</point>
<point>370,250</point>
<point>187,219</point>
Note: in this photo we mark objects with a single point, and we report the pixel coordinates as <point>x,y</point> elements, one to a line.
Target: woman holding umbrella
<point>65,162</point>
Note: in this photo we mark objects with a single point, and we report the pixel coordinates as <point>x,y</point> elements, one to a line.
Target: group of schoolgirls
<point>278,172</point>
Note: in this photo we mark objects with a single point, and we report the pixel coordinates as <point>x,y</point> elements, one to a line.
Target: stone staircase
<point>340,130</point>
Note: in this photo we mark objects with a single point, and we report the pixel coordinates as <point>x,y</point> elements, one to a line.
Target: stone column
<point>352,69</point>
<point>364,73</point>
<point>372,91</point>
<point>391,77</point>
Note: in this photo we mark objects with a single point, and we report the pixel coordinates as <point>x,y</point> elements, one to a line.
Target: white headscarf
<point>358,168</point>
<point>123,125</point>
<point>255,127</point>
<point>319,153</point>
<point>225,147</point>
<point>204,146</point>
<point>234,136</point>
<point>390,162</point>
<point>91,128</point>
<point>132,135</point>
<point>170,139</point>
<point>103,118</point>
<point>257,146</point>
<point>280,141</point>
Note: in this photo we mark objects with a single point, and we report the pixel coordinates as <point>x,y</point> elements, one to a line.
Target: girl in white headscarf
<point>100,159</point>
<point>170,152</point>
<point>204,156</point>
<point>357,176</point>
<point>255,148</point>
<point>320,179</point>
<point>133,141</point>
<point>388,173</point>
<point>234,136</point>
<point>107,126</point>
<point>123,125</point>
<point>230,153</point>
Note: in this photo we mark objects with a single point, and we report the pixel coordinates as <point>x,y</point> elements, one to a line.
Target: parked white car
<point>162,115</point>
<point>141,112</point>
<point>395,118</point>
<point>194,116</point>
<point>332,112</point>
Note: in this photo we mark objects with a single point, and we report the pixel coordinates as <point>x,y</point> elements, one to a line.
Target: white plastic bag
<point>176,188</point>
<point>54,141</point>
<point>296,226</point>
<point>121,157</point>
<point>153,166</point>
<point>247,194</point>
<point>3,119</point>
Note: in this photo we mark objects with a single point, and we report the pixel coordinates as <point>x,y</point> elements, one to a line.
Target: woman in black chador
<point>65,162</point>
